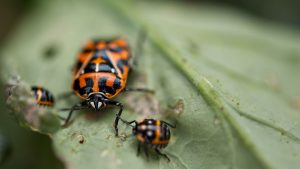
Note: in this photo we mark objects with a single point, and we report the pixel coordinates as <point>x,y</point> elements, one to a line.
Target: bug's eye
<point>115,49</point>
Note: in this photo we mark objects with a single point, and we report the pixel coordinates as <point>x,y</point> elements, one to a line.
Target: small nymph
<point>153,133</point>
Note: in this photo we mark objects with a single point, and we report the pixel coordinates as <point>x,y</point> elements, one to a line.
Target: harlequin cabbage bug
<point>100,74</point>
<point>43,96</point>
<point>153,133</point>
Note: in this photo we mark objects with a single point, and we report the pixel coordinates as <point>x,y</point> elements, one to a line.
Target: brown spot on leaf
<point>145,105</point>
<point>177,108</point>
<point>123,136</point>
<point>296,103</point>
<point>109,137</point>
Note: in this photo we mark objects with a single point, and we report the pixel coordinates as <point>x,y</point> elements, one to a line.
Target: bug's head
<point>96,101</point>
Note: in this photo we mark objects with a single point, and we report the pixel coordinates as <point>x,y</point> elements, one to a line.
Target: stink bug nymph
<point>152,133</point>
<point>43,96</point>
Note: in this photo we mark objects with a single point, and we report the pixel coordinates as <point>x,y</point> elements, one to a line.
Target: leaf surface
<point>236,76</point>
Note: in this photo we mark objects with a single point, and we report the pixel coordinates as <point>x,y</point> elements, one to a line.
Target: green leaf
<point>235,76</point>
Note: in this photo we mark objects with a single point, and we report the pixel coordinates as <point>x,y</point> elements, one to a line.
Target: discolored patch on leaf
<point>23,107</point>
<point>143,103</point>
<point>177,109</point>
<point>296,102</point>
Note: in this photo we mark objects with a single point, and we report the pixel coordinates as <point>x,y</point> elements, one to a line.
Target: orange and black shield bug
<point>100,74</point>
<point>153,133</point>
<point>43,96</point>
<point>105,69</point>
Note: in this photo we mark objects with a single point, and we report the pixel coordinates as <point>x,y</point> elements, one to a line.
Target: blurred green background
<point>286,12</point>
<point>22,148</point>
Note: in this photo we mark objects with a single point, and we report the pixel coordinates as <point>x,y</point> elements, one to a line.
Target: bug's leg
<point>146,150</point>
<point>138,48</point>
<point>146,147</point>
<point>138,90</point>
<point>162,154</point>
<point>128,122</point>
<point>118,115</point>
<point>69,116</point>
<point>74,108</point>
<point>138,149</point>
<point>61,118</point>
<point>170,125</point>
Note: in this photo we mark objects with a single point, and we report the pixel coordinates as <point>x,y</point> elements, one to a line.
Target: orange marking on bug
<point>140,138</point>
<point>124,54</point>
<point>101,45</point>
<point>45,103</point>
<point>110,81</point>
<point>99,60</point>
<point>95,86</point>
<point>90,45</point>
<point>120,42</point>
<point>160,142</point>
<point>82,82</point>
<point>157,133</point>
<point>83,56</point>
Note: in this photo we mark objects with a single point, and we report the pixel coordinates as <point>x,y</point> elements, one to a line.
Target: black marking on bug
<point>89,85</point>
<point>117,83</point>
<point>121,63</point>
<point>104,88</point>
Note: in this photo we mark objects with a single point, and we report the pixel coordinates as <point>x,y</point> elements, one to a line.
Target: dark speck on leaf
<point>193,47</point>
<point>78,136</point>
<point>50,52</point>
<point>81,140</point>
